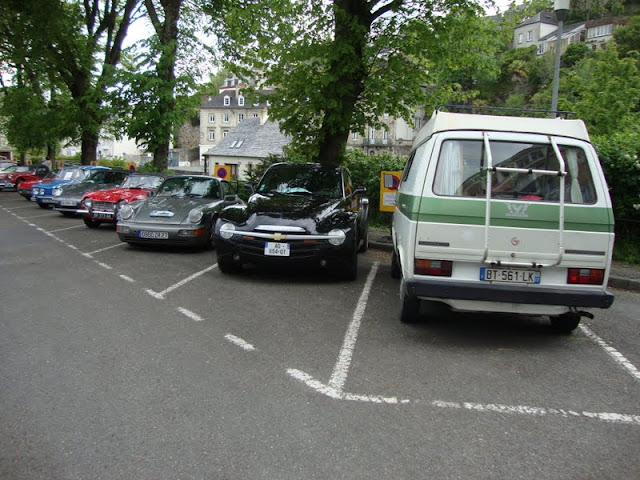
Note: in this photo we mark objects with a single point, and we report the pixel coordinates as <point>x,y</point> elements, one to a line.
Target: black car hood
<point>314,214</point>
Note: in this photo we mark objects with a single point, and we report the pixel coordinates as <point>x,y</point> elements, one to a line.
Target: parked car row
<point>297,213</point>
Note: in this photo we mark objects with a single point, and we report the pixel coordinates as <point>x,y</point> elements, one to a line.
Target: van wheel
<point>565,323</point>
<point>395,265</point>
<point>410,310</point>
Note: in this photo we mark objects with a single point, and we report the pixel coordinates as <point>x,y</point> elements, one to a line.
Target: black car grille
<point>298,248</point>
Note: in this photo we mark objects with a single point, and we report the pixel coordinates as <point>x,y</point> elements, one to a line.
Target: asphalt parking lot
<point>122,362</point>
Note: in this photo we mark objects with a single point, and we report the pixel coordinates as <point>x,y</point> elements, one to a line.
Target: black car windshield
<point>142,181</point>
<point>301,180</point>
<point>189,187</point>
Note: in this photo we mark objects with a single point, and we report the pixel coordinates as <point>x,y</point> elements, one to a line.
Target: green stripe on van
<point>504,213</point>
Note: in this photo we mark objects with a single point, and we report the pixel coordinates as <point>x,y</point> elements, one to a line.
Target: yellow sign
<point>222,171</point>
<point>389,182</point>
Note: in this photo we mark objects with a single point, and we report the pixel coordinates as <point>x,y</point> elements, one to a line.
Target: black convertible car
<point>299,212</point>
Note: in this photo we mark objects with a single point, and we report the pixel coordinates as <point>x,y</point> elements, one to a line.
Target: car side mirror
<point>230,198</point>
<point>358,191</point>
<point>251,186</point>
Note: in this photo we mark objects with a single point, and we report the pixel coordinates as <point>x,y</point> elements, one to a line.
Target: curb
<point>615,281</point>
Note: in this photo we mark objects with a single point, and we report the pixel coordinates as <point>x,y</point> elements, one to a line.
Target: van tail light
<point>436,268</point>
<point>585,276</point>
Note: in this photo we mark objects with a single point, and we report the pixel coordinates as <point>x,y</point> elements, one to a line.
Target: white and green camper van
<point>503,214</point>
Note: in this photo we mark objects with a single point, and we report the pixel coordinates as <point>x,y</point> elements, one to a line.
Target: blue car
<point>42,193</point>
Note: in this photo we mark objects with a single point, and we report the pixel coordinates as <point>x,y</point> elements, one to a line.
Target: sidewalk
<point>626,277</point>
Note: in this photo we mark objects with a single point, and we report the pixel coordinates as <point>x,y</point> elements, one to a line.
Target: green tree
<point>81,48</point>
<point>158,80</point>
<point>627,38</point>
<point>340,65</point>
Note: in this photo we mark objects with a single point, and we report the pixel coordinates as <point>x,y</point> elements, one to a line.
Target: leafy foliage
<point>341,65</point>
<point>620,157</point>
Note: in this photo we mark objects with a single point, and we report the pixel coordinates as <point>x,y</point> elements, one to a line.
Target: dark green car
<point>183,212</point>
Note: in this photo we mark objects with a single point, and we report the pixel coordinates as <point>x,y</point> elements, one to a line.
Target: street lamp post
<point>561,7</point>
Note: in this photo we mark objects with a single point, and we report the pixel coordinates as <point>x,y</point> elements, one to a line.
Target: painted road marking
<point>193,316</point>
<point>341,369</point>
<point>617,356</point>
<point>67,228</point>
<point>240,342</point>
<point>160,295</point>
<point>107,248</point>
<point>128,279</point>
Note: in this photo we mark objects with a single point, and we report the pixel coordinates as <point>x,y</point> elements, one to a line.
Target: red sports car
<point>102,206</point>
<point>11,177</point>
<point>24,188</point>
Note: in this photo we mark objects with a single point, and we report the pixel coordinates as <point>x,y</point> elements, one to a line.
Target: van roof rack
<point>480,109</point>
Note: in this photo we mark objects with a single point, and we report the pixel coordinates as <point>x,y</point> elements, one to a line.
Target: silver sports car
<point>183,212</point>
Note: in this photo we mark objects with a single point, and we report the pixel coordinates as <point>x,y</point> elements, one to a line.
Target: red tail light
<point>437,268</point>
<point>585,276</point>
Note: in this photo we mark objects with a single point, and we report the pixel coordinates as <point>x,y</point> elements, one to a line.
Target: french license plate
<point>105,215</point>
<point>46,200</point>
<point>67,203</point>
<point>275,249</point>
<point>509,275</point>
<point>156,235</point>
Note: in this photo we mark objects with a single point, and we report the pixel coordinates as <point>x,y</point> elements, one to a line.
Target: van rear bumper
<point>567,297</point>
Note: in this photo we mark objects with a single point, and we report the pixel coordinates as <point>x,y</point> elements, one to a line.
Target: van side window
<point>407,168</point>
<point>461,172</point>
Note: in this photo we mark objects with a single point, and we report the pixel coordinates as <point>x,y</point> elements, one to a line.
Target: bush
<point>620,158</point>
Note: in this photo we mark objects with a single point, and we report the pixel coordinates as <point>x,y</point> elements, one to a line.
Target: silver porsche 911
<point>183,212</point>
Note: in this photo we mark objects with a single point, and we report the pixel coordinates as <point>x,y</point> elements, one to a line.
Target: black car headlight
<point>337,236</point>
<point>227,230</point>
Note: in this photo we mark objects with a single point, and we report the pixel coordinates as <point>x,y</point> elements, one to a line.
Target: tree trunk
<point>352,26</point>
<point>51,152</point>
<point>89,148</point>
<point>161,157</point>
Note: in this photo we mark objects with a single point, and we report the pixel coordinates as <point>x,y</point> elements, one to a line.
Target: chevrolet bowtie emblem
<point>278,236</point>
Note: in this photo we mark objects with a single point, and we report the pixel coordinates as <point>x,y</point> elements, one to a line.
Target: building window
<point>240,117</point>
<point>520,38</point>
<point>255,115</point>
<point>385,135</point>
<point>529,36</point>
<point>225,118</point>
<point>372,133</point>
<point>227,100</point>
<point>355,136</point>
<point>212,118</point>
<point>600,31</point>
<point>225,133</point>
<point>540,49</point>
<point>212,135</point>
<point>241,101</point>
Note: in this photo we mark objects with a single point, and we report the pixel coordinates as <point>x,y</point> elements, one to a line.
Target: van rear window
<point>461,172</point>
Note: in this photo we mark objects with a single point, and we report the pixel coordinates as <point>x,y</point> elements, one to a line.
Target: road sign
<point>389,182</point>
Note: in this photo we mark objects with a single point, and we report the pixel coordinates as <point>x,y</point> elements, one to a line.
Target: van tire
<point>410,309</point>
<point>395,266</point>
<point>565,323</point>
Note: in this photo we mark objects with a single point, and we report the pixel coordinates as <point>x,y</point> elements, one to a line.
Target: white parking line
<point>107,248</point>
<point>160,295</point>
<point>128,279</point>
<point>341,369</point>
<point>190,314</point>
<point>38,216</point>
<point>67,228</point>
<point>18,208</point>
<point>617,356</point>
<point>240,342</point>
